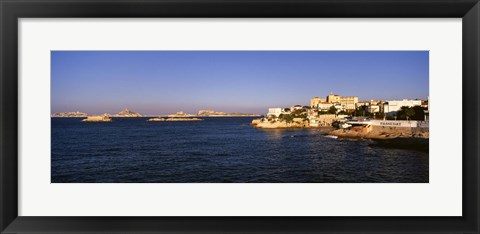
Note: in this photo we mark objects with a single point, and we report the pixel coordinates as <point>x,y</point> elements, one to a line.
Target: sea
<point>221,150</point>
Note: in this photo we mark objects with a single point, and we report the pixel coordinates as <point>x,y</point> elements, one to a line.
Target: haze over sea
<point>220,150</point>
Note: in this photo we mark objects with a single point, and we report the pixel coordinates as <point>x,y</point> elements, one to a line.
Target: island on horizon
<point>131,114</point>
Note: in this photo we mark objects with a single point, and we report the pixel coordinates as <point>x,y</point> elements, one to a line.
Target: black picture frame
<point>11,11</point>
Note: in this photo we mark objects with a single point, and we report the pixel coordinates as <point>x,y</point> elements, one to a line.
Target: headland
<point>345,117</point>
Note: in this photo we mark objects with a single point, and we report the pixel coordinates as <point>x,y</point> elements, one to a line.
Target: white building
<point>327,106</point>
<point>296,107</point>
<point>373,108</point>
<point>274,111</point>
<point>324,106</point>
<point>391,107</point>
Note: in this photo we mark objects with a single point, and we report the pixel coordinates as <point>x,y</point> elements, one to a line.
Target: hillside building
<point>315,101</point>
<point>348,102</point>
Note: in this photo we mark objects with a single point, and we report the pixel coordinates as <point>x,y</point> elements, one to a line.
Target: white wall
<point>400,123</point>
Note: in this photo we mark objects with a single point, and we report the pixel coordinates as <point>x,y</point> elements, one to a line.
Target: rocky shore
<point>416,138</point>
<point>389,137</point>
<point>381,133</point>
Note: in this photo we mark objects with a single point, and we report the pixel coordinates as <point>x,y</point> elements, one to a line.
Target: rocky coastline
<point>381,133</point>
<point>389,137</point>
<point>414,138</point>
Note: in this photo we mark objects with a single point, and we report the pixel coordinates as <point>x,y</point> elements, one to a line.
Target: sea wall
<point>400,123</point>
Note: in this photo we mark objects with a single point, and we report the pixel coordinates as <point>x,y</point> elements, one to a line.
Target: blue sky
<point>163,82</point>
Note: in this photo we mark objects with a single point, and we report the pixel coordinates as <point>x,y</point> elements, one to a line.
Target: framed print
<point>257,116</point>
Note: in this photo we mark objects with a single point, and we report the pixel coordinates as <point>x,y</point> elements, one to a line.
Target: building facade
<point>276,111</point>
<point>324,106</point>
<point>391,107</point>
<point>296,107</point>
<point>348,102</point>
<point>315,101</point>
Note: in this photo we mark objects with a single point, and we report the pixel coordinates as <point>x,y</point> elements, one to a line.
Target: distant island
<point>212,113</point>
<point>180,114</point>
<point>69,114</point>
<point>127,113</point>
<point>124,113</point>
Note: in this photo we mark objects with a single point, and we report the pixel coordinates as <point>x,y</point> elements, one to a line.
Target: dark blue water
<point>220,150</point>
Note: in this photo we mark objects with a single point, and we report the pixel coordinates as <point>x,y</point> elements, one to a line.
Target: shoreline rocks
<point>381,136</point>
<point>389,137</point>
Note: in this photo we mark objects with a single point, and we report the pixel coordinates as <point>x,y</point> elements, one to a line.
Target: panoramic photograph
<point>240,116</point>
